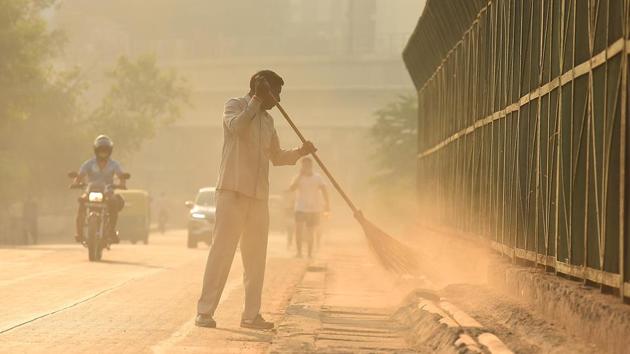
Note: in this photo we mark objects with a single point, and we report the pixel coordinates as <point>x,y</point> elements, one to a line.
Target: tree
<point>395,138</point>
<point>37,103</point>
<point>394,135</point>
<point>44,130</point>
<point>26,46</point>
<point>142,98</point>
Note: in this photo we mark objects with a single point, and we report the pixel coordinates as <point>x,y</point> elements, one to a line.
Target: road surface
<point>138,299</point>
<point>142,299</point>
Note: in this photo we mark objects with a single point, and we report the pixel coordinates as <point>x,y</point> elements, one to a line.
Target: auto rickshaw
<point>134,219</point>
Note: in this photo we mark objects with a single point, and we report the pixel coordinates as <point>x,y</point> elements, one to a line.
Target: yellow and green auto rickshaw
<point>134,219</point>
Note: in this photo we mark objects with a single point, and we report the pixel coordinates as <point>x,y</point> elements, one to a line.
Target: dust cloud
<point>340,61</point>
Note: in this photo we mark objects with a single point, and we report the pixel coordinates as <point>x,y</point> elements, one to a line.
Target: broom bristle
<point>391,253</point>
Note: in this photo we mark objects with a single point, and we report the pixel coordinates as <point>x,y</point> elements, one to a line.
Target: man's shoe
<point>205,321</point>
<point>79,239</point>
<point>257,323</point>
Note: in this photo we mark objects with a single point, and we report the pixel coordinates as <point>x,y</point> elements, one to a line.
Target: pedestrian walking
<point>30,215</point>
<point>250,142</point>
<point>311,200</point>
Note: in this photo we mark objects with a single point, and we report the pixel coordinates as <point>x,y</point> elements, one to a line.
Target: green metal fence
<point>523,112</point>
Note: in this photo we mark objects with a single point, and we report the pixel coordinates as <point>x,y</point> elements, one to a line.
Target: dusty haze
<point>340,60</point>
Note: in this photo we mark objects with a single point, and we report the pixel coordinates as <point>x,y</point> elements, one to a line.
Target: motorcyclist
<point>100,171</point>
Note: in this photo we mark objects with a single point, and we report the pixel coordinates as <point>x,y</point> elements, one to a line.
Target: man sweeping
<point>250,141</point>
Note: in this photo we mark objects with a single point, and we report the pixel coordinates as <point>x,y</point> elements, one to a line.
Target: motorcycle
<point>96,221</point>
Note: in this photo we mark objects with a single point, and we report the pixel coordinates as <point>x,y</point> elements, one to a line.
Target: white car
<point>201,217</point>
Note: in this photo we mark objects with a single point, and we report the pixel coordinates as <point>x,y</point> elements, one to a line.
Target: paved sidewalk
<point>343,304</point>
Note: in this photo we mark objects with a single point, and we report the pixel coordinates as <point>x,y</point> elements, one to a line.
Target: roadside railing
<point>523,130</point>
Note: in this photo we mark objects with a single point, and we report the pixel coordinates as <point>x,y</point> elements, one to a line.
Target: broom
<point>392,255</point>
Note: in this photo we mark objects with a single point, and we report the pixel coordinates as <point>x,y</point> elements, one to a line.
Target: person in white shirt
<point>311,200</point>
<point>250,144</point>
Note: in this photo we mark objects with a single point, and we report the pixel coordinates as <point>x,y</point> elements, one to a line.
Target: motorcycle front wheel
<point>95,249</point>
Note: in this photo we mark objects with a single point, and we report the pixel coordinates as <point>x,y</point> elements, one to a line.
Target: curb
<point>306,303</point>
<point>438,325</point>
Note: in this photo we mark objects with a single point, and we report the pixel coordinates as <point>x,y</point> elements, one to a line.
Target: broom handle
<point>319,162</point>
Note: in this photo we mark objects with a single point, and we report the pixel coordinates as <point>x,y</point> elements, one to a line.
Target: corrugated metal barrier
<point>523,128</point>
